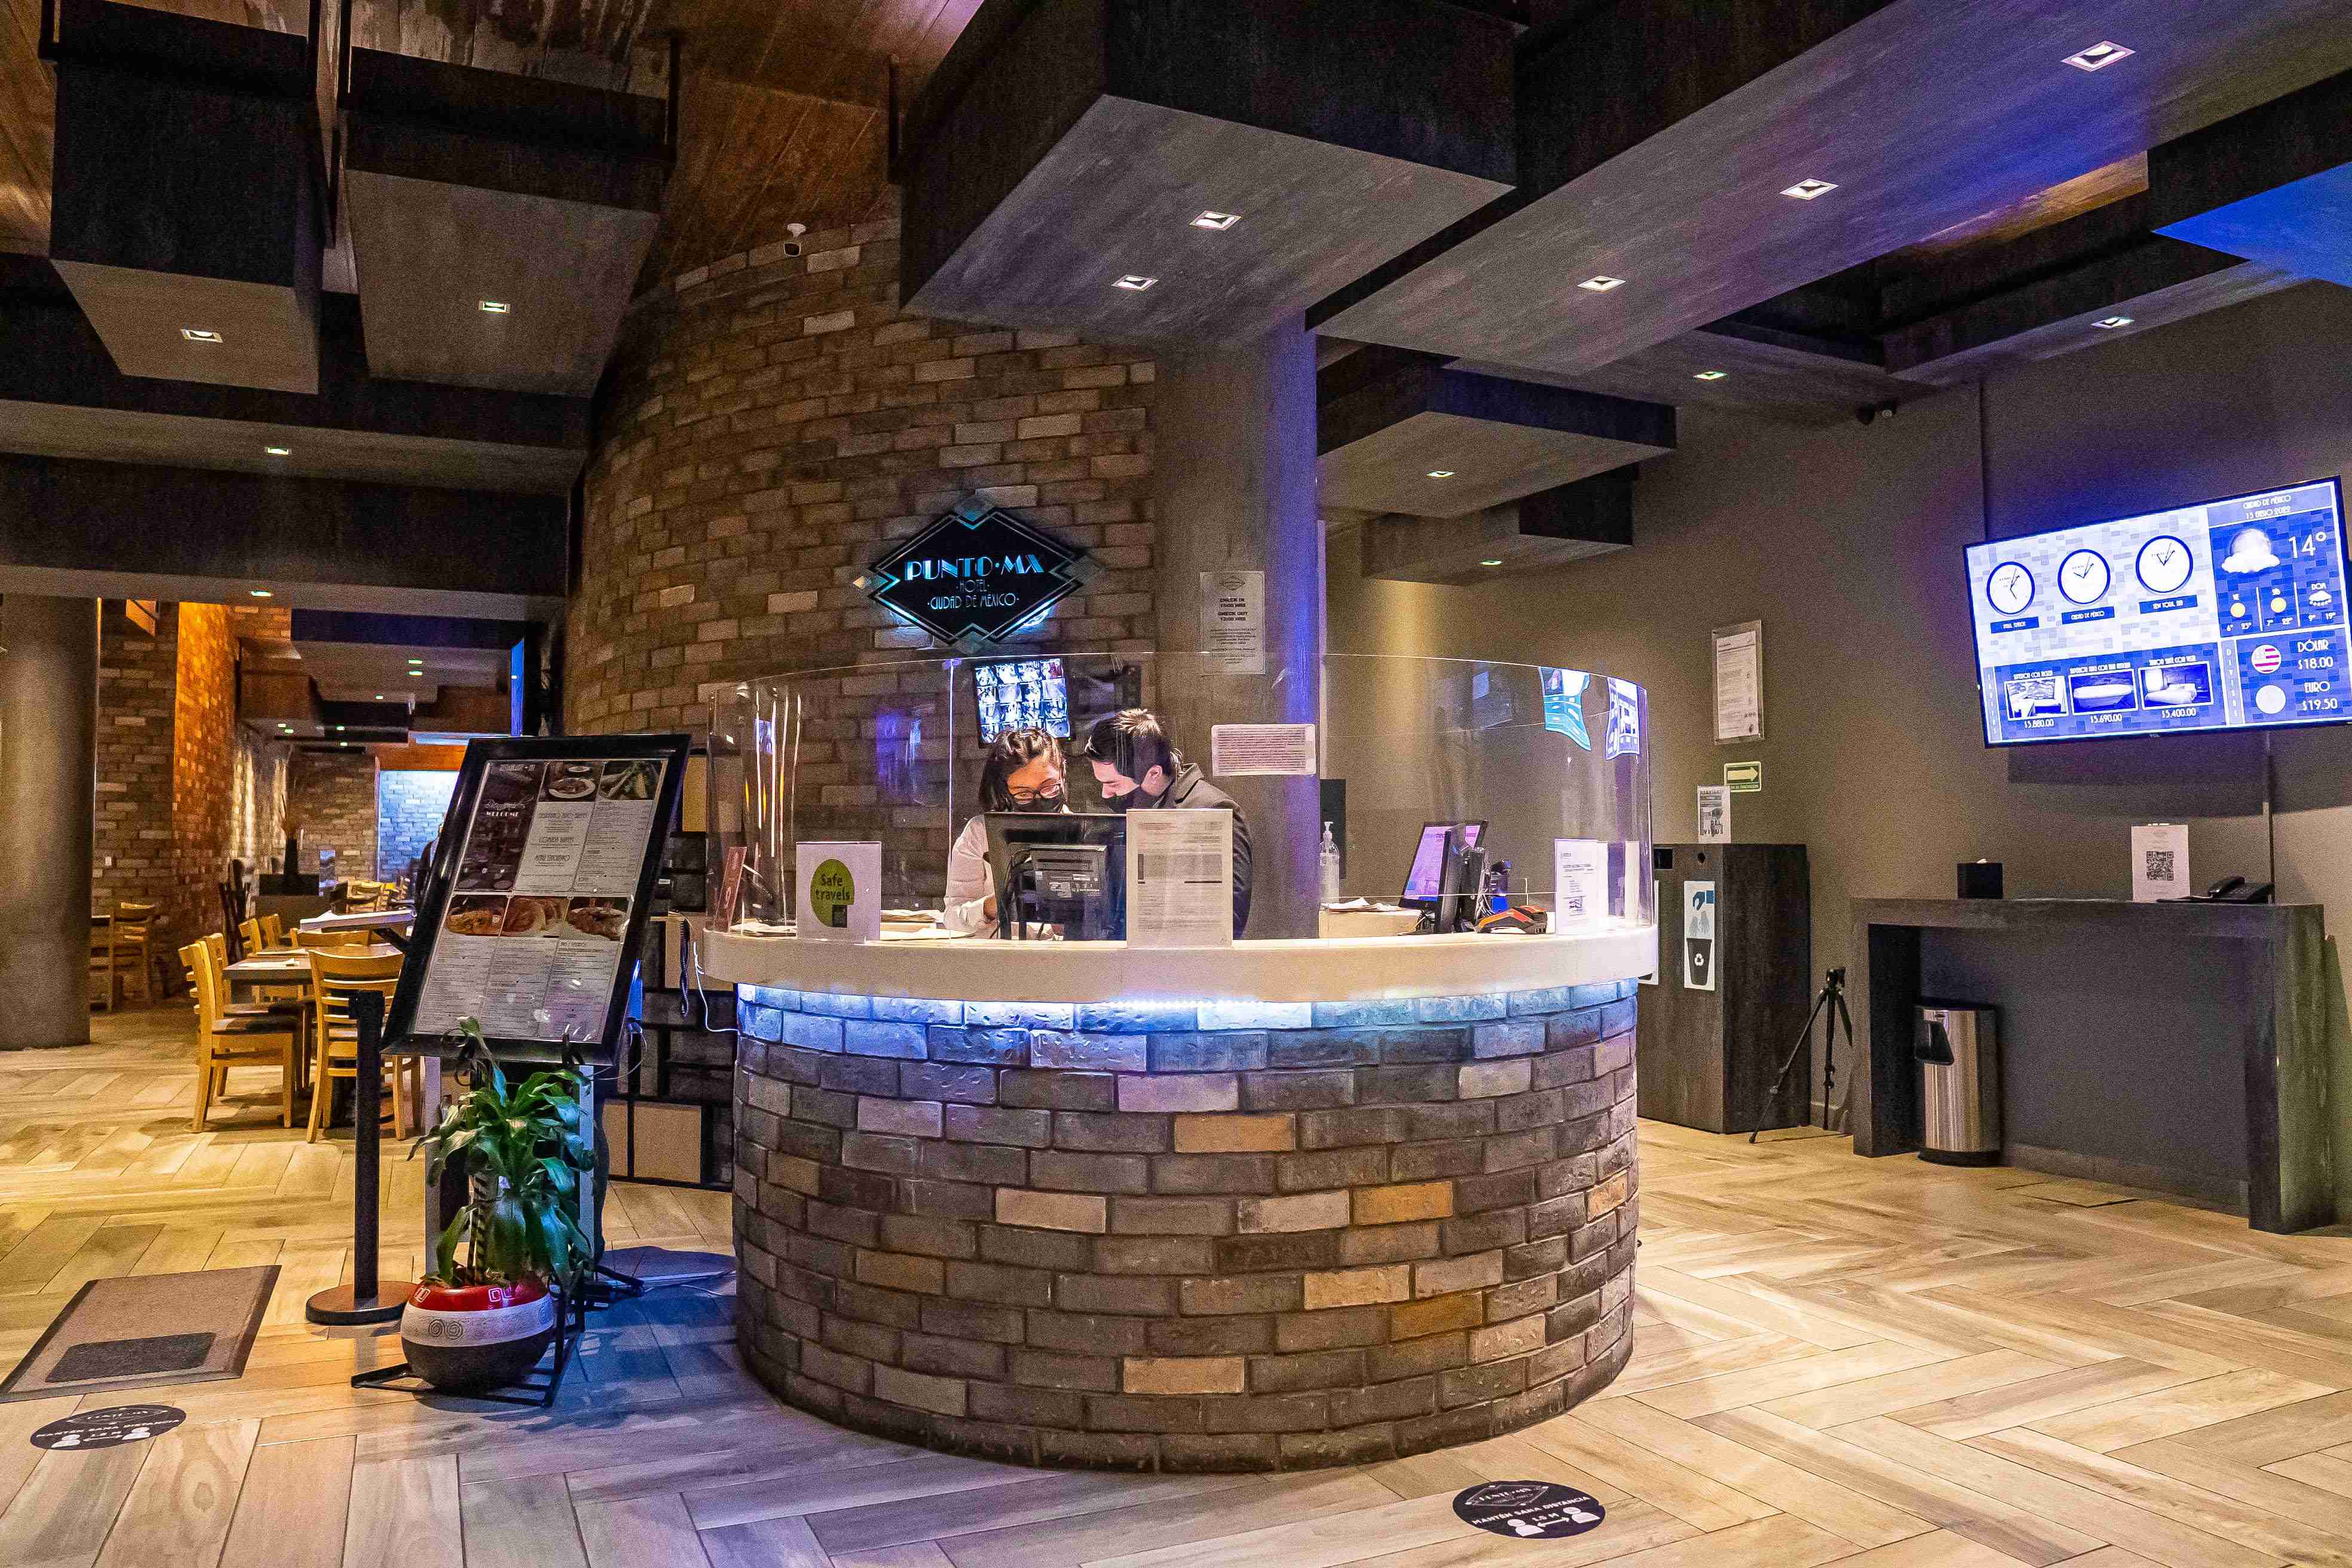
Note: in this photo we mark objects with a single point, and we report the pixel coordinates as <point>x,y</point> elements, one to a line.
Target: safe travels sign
<point>975,577</point>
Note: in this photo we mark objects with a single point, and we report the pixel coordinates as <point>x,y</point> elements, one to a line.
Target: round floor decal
<point>105,1428</point>
<point>1529,1511</point>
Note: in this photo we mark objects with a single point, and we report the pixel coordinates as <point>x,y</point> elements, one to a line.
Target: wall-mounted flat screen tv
<point>2227,614</point>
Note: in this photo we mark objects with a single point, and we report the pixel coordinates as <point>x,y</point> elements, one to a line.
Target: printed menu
<point>531,941</point>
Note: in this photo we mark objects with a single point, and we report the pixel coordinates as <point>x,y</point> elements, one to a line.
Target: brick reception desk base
<point>1187,1237</point>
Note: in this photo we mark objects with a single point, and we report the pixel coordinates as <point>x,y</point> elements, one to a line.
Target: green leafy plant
<point>524,1150</point>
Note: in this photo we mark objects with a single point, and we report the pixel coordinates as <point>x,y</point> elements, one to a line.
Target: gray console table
<point>2182,1048</point>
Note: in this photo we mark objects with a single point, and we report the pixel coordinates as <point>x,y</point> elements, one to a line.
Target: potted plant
<point>487,1312</point>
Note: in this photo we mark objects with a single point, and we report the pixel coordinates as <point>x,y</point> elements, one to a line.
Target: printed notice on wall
<point>1180,879</point>
<point>1579,870</point>
<point>1739,682</point>
<point>531,939</point>
<point>1238,750</point>
<point>2159,862</point>
<point>1714,814</point>
<point>1233,620</point>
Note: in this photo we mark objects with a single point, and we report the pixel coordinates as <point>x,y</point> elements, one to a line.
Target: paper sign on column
<point>841,891</point>
<point>1242,751</point>
<point>1233,620</point>
<point>1739,682</point>
<point>2159,862</point>
<point>1580,873</point>
<point>1180,879</point>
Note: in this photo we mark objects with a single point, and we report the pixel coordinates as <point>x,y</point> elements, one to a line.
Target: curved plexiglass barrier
<point>1552,764</point>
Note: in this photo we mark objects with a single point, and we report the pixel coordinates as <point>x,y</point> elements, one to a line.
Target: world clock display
<point>2224,614</point>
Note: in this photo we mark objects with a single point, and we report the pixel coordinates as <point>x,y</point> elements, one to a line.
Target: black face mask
<point>1044,806</point>
<point>1134,800</point>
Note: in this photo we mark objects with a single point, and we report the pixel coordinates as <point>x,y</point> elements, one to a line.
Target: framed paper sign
<point>534,910</point>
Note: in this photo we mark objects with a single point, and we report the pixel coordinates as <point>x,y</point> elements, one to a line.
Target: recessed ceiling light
<point>2109,323</point>
<point>339,729</point>
<point>1217,221</point>
<point>497,307</point>
<point>379,697</point>
<point>200,334</point>
<point>2099,56</point>
<point>1602,284</point>
<point>279,451</point>
<point>1490,563</point>
<point>1810,190</point>
<point>1710,375</point>
<point>1441,473</point>
<point>259,593</point>
<point>1135,282</point>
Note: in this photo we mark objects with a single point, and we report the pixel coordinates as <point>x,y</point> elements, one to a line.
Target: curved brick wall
<point>1223,1238</point>
<point>771,419</point>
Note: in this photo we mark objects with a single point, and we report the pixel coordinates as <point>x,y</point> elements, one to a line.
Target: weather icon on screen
<point>2249,552</point>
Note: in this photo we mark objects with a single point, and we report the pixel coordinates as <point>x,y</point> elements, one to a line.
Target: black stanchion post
<point>366,1299</point>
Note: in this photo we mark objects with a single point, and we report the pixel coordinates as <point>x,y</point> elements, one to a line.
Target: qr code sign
<point>2159,865</point>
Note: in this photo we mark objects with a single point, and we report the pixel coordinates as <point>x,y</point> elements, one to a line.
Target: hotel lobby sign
<point>975,577</point>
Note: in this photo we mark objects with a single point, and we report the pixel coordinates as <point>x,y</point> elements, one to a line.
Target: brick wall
<point>1211,1236</point>
<point>137,677</point>
<point>409,808</point>
<point>205,746</point>
<point>775,419</point>
<point>330,796</point>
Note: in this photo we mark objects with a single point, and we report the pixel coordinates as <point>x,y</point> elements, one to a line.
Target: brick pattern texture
<point>1160,1237</point>
<point>775,419</point>
<point>137,677</point>
<point>330,796</point>
<point>205,746</point>
<point>410,805</point>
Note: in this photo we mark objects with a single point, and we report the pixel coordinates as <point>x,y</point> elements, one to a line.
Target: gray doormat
<point>106,1339</point>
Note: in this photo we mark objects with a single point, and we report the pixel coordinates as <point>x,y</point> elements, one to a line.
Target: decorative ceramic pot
<point>466,1338</point>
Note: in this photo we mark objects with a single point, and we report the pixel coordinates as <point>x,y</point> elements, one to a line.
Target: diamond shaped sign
<point>975,577</point>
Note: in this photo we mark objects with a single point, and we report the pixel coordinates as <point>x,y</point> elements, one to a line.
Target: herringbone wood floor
<point>1878,1363</point>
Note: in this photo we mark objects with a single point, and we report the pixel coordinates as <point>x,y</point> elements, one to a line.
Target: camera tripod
<point>1829,1004</point>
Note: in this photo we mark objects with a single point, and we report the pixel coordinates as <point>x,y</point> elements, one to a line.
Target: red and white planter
<point>466,1338</point>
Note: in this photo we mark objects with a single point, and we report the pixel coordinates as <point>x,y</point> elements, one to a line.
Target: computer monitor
<point>1059,868</point>
<point>1426,880</point>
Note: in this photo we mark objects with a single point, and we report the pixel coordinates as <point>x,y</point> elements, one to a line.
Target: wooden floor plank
<point>291,1512</point>
<point>178,1512</point>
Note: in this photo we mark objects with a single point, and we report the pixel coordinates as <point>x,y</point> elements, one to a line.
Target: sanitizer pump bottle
<point>1330,867</point>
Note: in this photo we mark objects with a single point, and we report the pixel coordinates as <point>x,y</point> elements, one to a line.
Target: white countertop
<point>1363,969</point>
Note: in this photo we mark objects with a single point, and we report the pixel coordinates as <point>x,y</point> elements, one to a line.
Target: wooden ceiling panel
<point>1925,114</point>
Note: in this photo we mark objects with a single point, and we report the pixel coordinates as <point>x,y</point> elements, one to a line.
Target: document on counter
<point>1180,879</point>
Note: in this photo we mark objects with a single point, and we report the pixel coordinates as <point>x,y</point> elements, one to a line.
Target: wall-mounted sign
<point>1744,778</point>
<point>1232,621</point>
<point>1699,936</point>
<point>975,577</point>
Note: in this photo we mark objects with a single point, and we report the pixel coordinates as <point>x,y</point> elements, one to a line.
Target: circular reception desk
<point>1274,1206</point>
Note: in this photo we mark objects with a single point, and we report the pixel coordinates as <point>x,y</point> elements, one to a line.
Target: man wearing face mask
<point>1024,772</point>
<point>1139,769</point>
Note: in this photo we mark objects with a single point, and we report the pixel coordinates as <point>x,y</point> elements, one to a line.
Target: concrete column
<point>1234,488</point>
<point>48,758</point>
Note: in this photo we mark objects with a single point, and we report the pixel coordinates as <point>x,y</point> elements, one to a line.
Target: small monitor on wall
<point>1022,694</point>
<point>2224,614</point>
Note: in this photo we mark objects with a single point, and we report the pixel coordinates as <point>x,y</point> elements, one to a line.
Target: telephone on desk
<point>2232,890</point>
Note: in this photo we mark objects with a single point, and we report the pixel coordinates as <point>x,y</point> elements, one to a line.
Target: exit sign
<point>1743,778</point>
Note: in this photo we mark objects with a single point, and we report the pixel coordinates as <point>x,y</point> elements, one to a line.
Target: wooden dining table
<point>291,965</point>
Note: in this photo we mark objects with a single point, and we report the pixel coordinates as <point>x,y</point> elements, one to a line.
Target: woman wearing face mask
<point>1024,772</point>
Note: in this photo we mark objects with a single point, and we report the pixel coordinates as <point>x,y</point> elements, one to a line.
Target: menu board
<point>535,913</point>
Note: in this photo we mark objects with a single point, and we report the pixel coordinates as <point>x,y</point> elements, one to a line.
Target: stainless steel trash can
<point>1957,1045</point>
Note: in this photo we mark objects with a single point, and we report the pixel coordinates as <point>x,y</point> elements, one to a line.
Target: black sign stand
<point>366,1299</point>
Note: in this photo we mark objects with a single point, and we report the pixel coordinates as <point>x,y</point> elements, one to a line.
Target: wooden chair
<point>103,976</point>
<point>226,1038</point>
<point>335,978</point>
<point>316,939</point>
<point>133,935</point>
<point>273,930</point>
<point>249,937</point>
